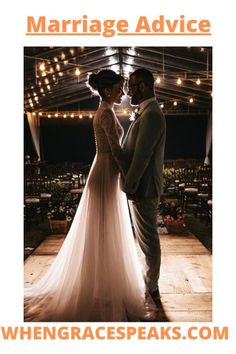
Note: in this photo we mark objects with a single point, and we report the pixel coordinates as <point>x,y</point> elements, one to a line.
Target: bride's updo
<point>104,79</point>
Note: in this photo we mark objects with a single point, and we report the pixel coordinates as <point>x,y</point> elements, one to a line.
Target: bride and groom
<point>96,275</point>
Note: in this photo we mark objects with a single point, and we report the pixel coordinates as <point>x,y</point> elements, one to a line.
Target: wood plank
<point>187,302</point>
<point>36,267</point>
<point>186,316</point>
<point>186,274</point>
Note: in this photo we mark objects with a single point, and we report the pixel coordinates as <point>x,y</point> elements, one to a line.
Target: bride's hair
<point>104,79</point>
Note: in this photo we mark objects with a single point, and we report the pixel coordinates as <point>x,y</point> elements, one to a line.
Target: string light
<point>64,116</point>
<point>42,67</point>
<point>191,100</point>
<point>158,80</point>
<point>90,116</point>
<point>72,115</point>
<point>198,82</point>
<point>162,105</point>
<point>56,115</point>
<point>175,103</point>
<point>77,71</point>
<point>179,81</point>
<point>80,116</point>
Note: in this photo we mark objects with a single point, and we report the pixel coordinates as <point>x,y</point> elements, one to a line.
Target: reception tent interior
<point>59,144</point>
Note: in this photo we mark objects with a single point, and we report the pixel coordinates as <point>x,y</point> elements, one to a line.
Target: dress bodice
<point>107,129</point>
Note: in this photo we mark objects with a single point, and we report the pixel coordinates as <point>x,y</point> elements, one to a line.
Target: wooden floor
<point>185,280</point>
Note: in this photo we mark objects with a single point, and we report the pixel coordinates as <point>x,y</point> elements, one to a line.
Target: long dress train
<point>96,275</point>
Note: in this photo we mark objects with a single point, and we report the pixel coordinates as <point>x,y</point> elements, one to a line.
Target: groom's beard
<point>136,98</point>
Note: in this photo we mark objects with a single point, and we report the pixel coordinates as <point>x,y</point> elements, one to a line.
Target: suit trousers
<point>144,217</point>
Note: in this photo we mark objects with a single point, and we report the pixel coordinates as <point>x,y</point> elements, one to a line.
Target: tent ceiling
<point>51,82</point>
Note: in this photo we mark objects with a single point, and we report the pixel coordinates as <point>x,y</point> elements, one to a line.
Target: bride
<point>96,276</point>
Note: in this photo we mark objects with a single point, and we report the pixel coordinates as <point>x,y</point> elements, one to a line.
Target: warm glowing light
<point>48,87</point>
<point>35,94</point>
<point>49,115</point>
<point>55,59</point>
<point>36,98</point>
<point>46,81</point>
<point>191,100</point>
<point>56,115</point>
<point>44,73</point>
<point>51,70</point>
<point>42,90</point>
<point>158,80</point>
<point>60,73</point>
<point>110,51</point>
<point>65,62</point>
<point>72,115</point>
<point>131,51</point>
<point>77,71</point>
<point>63,56</point>
<point>202,49</point>
<point>179,81</point>
<point>90,116</point>
<point>58,67</point>
<point>198,82</point>
<point>124,111</point>
<point>64,116</point>
<point>72,51</point>
<point>80,116</point>
<point>42,66</point>
<point>34,114</point>
<point>162,105</point>
<point>40,113</point>
<point>175,103</point>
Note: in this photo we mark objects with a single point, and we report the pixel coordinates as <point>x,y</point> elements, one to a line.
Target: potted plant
<point>173,218</point>
<point>60,217</point>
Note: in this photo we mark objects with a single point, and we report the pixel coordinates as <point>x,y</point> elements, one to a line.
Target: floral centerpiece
<point>173,218</point>
<point>60,217</point>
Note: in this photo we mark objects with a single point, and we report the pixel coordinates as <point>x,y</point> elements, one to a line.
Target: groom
<point>144,151</point>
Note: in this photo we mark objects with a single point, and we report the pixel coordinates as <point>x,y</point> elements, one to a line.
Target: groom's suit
<point>143,148</point>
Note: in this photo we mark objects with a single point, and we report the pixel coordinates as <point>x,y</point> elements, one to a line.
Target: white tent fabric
<point>208,140</point>
<point>34,124</point>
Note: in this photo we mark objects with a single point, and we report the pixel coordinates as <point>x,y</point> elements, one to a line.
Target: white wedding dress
<point>96,275</point>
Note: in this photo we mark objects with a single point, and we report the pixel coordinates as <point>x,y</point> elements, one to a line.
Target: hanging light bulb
<point>90,116</point>
<point>191,100</point>
<point>64,116</point>
<point>72,115</point>
<point>80,116</point>
<point>175,103</point>
<point>42,67</point>
<point>77,71</point>
<point>179,81</point>
<point>198,82</point>
<point>162,105</point>
<point>158,80</point>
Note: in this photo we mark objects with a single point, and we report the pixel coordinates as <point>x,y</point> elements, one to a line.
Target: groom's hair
<point>145,75</point>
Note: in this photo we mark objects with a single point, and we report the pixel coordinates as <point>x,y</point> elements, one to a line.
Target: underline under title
<point>144,26</point>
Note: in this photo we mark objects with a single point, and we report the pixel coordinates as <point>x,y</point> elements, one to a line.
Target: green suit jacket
<point>143,149</point>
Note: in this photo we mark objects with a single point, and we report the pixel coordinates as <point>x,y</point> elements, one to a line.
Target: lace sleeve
<point>108,124</point>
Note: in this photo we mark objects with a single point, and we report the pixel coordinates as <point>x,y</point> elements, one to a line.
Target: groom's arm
<point>150,131</point>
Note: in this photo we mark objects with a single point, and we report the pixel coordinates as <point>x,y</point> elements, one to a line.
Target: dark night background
<point>72,140</point>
